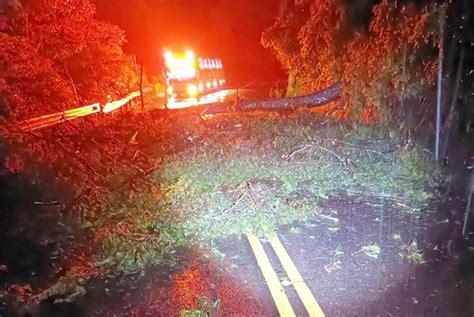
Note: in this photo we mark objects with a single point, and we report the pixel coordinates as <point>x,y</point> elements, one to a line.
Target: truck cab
<point>188,77</point>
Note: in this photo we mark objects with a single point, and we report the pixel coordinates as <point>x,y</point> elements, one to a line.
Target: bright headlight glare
<point>192,90</point>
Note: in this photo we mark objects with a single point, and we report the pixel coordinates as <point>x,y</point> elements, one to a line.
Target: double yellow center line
<point>276,289</point>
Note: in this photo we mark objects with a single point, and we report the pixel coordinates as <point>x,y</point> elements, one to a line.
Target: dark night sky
<point>229,29</point>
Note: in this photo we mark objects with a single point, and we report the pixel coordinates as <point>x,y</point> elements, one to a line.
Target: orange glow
<point>203,100</point>
<point>369,114</point>
<point>190,54</point>
<point>214,83</point>
<point>201,87</point>
<point>181,65</point>
<point>192,90</point>
<point>169,90</point>
<point>208,85</point>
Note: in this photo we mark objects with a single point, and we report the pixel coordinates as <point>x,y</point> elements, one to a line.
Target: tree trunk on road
<point>316,99</point>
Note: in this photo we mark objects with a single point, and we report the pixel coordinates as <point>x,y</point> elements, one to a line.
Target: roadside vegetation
<point>385,60</point>
<point>56,56</point>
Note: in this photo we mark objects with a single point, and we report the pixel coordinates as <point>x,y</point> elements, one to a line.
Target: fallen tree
<point>316,99</point>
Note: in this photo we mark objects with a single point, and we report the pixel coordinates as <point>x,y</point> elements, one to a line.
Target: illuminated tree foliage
<point>56,55</point>
<point>390,60</point>
<point>30,84</point>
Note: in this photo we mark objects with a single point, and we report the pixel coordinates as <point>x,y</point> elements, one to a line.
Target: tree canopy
<point>319,43</point>
<point>56,55</point>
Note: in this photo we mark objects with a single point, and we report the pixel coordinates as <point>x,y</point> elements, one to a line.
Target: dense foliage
<point>388,60</point>
<point>236,174</point>
<point>56,55</point>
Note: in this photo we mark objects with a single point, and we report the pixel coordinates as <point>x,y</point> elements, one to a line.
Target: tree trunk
<point>74,89</point>
<point>450,117</point>
<point>470,192</point>
<point>403,111</point>
<point>316,99</point>
<point>448,69</point>
<point>442,23</point>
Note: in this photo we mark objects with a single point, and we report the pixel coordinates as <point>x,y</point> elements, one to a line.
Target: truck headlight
<point>192,90</point>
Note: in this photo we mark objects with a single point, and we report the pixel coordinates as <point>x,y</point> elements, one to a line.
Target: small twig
<point>251,191</point>
<point>324,122</point>
<point>235,203</point>
<point>290,156</point>
<point>356,146</point>
<point>420,125</point>
<point>330,152</point>
<point>368,154</point>
<point>339,107</point>
<point>72,83</point>
<point>357,252</point>
<point>332,265</point>
<point>306,146</point>
<point>329,165</point>
<point>335,262</point>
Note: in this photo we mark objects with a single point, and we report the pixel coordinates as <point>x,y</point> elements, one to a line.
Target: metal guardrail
<point>72,114</point>
<point>114,105</point>
<point>68,115</point>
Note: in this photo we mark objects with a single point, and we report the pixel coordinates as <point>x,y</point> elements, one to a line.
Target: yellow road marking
<point>276,289</point>
<point>309,302</point>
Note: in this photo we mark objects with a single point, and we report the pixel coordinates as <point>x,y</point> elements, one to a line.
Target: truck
<point>189,77</point>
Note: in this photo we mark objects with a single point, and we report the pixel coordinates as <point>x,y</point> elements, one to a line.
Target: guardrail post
<point>141,86</point>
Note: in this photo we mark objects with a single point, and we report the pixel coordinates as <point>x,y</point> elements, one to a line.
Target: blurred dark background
<point>227,29</point>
